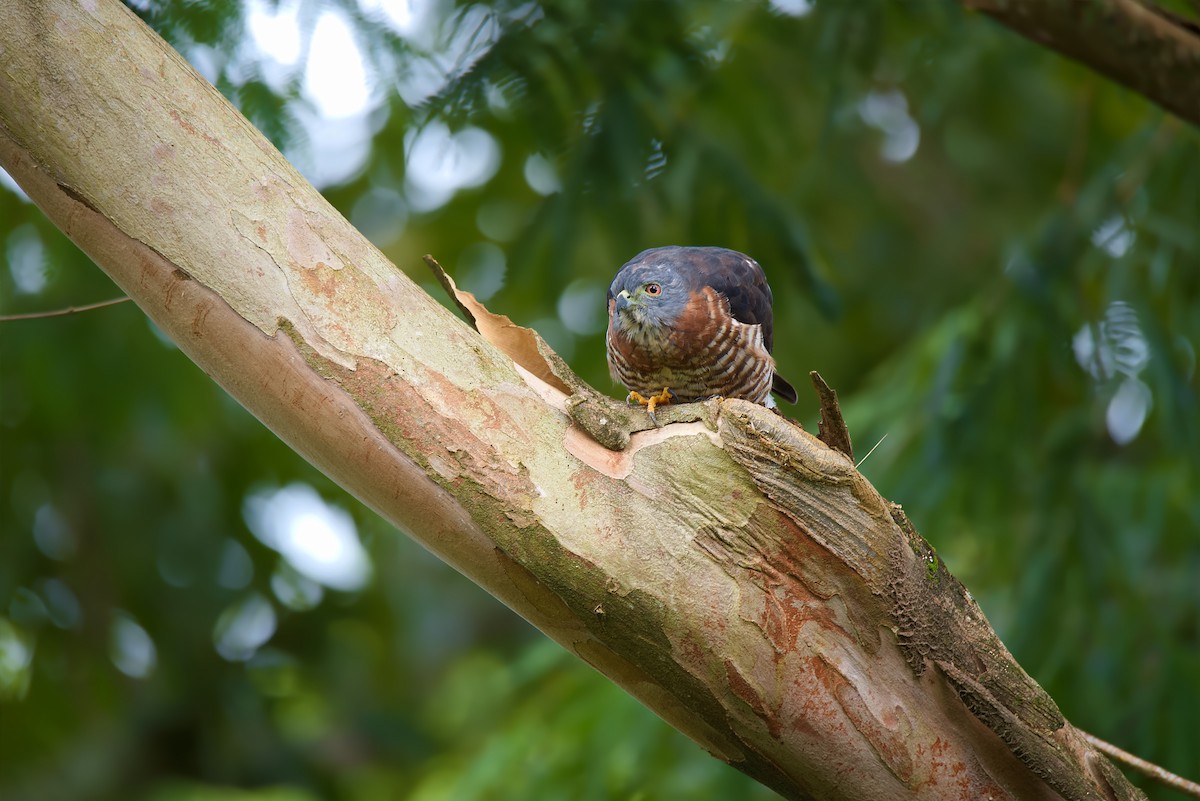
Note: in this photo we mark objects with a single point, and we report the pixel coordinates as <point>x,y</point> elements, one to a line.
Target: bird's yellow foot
<point>666,396</point>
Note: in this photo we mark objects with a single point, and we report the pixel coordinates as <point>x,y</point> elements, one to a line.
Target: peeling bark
<point>729,569</point>
<point>832,426</point>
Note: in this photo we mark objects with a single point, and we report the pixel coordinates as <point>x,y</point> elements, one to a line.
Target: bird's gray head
<point>650,292</point>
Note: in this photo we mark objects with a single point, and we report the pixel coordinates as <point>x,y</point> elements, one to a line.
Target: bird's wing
<point>742,281</point>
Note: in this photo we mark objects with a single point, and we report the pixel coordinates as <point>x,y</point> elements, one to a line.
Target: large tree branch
<point>728,569</point>
<point>1136,44</point>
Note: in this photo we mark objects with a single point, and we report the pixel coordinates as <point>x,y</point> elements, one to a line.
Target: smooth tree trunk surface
<point>730,570</point>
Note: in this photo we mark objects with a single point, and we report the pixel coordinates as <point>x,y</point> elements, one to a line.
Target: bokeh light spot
<point>888,113</point>
<point>318,539</point>
<point>581,307</point>
<point>16,661</point>
<point>335,76</point>
<point>244,627</point>
<point>130,647</point>
<point>27,260</point>
<point>439,163</point>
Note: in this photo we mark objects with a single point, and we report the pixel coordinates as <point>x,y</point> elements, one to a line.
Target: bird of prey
<point>691,323</point>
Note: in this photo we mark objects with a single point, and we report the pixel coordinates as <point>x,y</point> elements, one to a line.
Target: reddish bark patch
<point>321,280</point>
<point>191,129</point>
<point>751,697</point>
<point>889,744</point>
<point>582,479</point>
<point>200,319</point>
<point>788,568</point>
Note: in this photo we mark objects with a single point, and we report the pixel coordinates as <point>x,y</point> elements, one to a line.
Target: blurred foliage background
<point>989,251</point>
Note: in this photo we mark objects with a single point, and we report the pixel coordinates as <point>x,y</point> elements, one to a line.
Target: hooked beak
<point>623,300</point>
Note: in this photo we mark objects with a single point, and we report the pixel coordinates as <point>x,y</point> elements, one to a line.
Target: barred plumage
<point>696,320</point>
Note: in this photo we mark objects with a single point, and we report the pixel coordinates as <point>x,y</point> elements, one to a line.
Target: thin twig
<point>873,447</point>
<point>8,318</point>
<point>1149,768</point>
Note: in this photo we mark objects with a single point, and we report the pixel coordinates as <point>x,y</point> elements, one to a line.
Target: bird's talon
<point>652,402</point>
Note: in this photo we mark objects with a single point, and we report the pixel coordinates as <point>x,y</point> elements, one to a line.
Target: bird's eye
<point>653,290</point>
